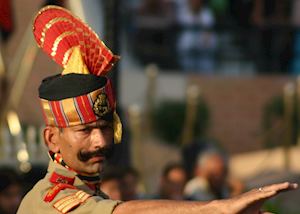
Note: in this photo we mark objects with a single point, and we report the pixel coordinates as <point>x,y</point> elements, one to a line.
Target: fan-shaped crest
<point>57,32</point>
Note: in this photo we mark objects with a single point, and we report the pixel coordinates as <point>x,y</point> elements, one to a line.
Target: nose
<point>97,139</point>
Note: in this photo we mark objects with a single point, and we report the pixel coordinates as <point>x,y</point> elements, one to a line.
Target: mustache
<point>106,152</point>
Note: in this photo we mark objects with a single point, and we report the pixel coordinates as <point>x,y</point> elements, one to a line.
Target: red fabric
<point>44,115</point>
<point>98,58</point>
<point>55,190</point>
<point>6,22</point>
<point>86,109</point>
<point>57,178</point>
<point>110,94</point>
<point>58,114</point>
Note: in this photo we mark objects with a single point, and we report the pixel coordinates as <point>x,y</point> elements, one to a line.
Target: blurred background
<point>208,92</point>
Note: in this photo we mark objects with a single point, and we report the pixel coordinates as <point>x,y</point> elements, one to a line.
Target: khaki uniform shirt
<point>52,195</point>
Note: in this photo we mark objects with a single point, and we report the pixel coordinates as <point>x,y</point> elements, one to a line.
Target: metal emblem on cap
<point>101,105</point>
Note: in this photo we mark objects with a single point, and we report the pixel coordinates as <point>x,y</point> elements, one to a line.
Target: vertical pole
<point>288,99</point>
<point>134,113</point>
<point>193,94</point>
<point>3,91</point>
<point>136,151</point>
<point>298,109</point>
<point>151,72</point>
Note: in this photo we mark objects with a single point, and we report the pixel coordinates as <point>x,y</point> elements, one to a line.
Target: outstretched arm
<point>247,203</point>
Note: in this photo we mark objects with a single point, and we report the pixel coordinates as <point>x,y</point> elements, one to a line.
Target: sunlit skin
<point>81,139</point>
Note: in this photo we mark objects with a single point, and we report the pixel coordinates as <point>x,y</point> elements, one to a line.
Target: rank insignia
<point>70,202</point>
<point>57,178</point>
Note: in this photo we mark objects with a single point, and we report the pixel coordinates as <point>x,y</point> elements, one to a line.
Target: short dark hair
<point>129,170</point>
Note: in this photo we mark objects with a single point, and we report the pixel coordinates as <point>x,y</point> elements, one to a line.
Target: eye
<point>85,130</point>
<point>106,127</point>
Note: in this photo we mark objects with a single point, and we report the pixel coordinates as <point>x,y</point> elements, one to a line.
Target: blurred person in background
<point>197,41</point>
<point>211,179</point>
<point>130,185</point>
<point>110,182</point>
<point>10,191</point>
<point>172,182</point>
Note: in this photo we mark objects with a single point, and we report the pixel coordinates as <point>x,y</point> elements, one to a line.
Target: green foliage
<point>220,7</point>
<point>169,118</point>
<point>273,206</point>
<point>278,206</point>
<point>273,122</point>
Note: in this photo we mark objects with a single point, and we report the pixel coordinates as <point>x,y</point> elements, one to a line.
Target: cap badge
<point>101,105</point>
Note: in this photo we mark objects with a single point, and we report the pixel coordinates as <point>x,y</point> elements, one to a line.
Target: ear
<point>51,135</point>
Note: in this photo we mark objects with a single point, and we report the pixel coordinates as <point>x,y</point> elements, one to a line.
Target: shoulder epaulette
<point>70,202</point>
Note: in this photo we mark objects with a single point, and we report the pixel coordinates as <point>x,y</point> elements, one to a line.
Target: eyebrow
<point>98,124</point>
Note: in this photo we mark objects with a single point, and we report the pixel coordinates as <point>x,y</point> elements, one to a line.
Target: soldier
<point>82,124</point>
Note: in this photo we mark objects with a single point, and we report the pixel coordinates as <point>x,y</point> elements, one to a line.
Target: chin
<point>95,168</point>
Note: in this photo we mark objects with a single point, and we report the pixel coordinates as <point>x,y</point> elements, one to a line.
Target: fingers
<point>279,187</point>
<point>260,195</point>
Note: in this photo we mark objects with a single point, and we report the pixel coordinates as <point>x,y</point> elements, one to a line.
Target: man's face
<point>173,184</point>
<point>84,148</point>
<point>216,172</point>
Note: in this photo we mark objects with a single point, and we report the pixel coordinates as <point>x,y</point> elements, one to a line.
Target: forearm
<point>166,207</point>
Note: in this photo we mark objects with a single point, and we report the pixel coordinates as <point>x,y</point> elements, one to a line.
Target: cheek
<point>68,151</point>
<point>70,143</point>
